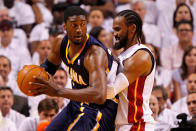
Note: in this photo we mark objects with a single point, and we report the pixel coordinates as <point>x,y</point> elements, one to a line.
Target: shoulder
<point>140,57</point>
<point>94,50</point>
<point>13,112</point>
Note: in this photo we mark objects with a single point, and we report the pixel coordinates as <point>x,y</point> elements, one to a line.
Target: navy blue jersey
<point>82,116</point>
<point>75,67</point>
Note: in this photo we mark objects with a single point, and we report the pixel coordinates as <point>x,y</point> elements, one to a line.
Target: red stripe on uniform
<point>135,91</point>
<point>139,126</point>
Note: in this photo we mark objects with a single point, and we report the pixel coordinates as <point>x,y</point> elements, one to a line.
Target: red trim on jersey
<point>139,126</point>
<point>135,91</point>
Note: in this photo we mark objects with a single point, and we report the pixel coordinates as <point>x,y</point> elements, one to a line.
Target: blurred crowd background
<point>27,32</point>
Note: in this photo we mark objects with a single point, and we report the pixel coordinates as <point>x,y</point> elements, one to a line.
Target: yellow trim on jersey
<point>76,56</point>
<point>139,126</point>
<point>115,100</point>
<point>99,115</point>
<point>135,99</point>
<point>107,70</point>
<point>75,121</point>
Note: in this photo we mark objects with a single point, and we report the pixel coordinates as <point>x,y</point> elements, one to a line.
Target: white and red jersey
<point>133,108</point>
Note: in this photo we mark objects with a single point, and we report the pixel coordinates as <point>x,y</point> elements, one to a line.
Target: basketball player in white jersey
<point>135,75</point>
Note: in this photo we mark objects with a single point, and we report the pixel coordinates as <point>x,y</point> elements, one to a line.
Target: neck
<point>5,112</point>
<point>73,48</point>
<point>131,43</point>
<point>185,45</point>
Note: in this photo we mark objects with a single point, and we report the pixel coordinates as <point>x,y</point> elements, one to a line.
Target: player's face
<point>120,32</point>
<point>4,67</point>
<point>191,103</point>
<point>191,83</point>
<point>60,78</point>
<point>47,115</point>
<point>6,100</point>
<point>76,27</point>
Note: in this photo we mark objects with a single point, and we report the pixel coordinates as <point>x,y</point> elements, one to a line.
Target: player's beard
<point>122,43</point>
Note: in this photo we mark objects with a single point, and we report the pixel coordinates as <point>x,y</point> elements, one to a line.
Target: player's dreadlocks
<point>133,18</point>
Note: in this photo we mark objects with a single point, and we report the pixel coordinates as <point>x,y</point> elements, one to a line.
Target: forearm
<point>120,83</point>
<point>89,94</point>
<point>49,67</point>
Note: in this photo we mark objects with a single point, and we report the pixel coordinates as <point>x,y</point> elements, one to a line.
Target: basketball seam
<point>26,75</point>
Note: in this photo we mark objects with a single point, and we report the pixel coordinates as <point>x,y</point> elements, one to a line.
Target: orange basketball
<point>26,74</point>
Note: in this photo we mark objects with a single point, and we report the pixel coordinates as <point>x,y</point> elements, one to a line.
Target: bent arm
<point>138,65</point>
<point>95,62</point>
<point>53,61</point>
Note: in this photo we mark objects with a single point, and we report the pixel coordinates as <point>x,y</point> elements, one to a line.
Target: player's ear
<point>132,28</point>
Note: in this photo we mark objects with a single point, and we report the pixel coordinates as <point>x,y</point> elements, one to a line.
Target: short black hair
<point>6,88</point>
<point>47,104</point>
<point>96,31</point>
<point>62,6</point>
<point>74,10</point>
<point>133,18</point>
<point>185,22</point>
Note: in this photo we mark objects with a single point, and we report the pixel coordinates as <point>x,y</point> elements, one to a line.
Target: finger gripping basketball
<point>26,74</point>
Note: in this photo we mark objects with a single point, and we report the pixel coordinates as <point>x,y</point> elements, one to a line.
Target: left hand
<point>44,87</point>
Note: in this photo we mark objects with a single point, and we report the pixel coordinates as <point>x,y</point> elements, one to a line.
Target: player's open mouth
<point>78,37</point>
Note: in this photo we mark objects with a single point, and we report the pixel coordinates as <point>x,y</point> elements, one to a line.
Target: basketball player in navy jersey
<point>87,62</point>
<point>135,77</point>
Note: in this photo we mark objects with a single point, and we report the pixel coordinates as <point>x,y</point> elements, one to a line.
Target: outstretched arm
<point>95,62</point>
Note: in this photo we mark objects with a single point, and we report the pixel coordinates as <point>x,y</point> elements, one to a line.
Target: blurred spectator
<point>42,13</point>
<point>164,115</point>
<point>180,106</point>
<point>2,80</point>
<point>58,13</point>
<point>162,76</point>
<point>191,103</point>
<point>154,106</point>
<point>6,124</point>
<point>96,18</point>
<point>39,33</point>
<point>43,49</point>
<point>20,102</point>
<point>5,69</point>
<point>167,22</point>
<point>18,33</point>
<point>6,102</point>
<point>151,32</point>
<point>22,13</point>
<point>47,110</point>
<point>106,6</point>
<point>171,57</point>
<point>100,34</point>
<point>180,75</point>
<point>10,48</point>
